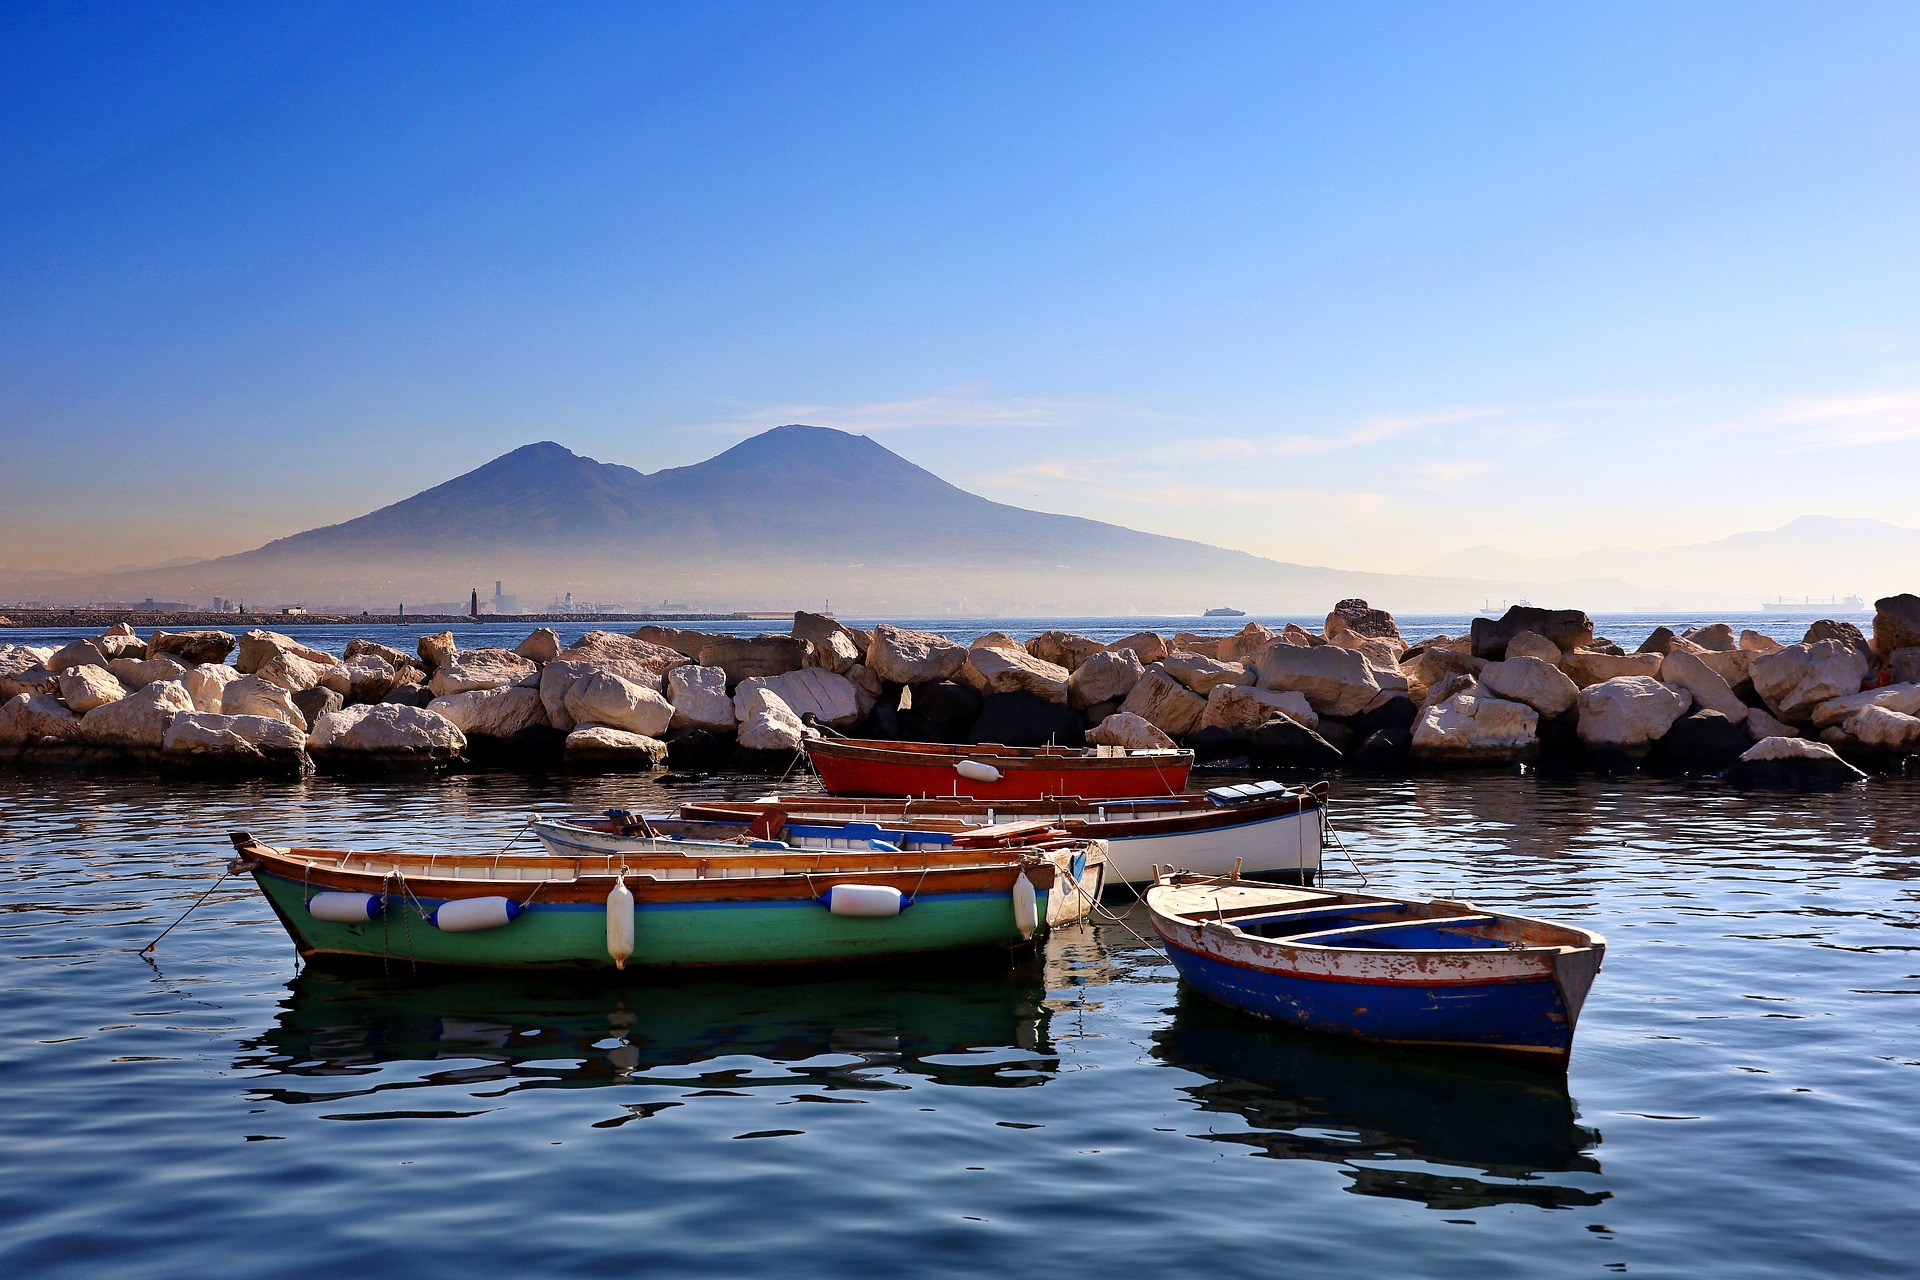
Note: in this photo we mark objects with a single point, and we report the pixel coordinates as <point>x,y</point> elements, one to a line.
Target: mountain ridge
<point>1811,555</point>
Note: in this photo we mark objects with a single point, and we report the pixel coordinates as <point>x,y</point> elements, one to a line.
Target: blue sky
<point>1353,285</point>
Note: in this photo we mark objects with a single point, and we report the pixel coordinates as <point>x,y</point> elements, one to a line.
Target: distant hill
<point>792,517</point>
<point>1820,556</point>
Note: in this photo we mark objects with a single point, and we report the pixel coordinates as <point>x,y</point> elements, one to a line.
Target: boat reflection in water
<point>340,1035</point>
<point>1446,1131</point>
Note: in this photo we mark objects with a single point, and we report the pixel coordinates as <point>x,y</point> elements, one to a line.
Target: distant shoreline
<point>174,620</point>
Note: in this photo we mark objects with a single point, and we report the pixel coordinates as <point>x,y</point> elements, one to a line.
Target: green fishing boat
<point>712,906</point>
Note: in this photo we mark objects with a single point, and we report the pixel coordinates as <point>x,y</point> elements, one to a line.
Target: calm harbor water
<point>1741,1101</point>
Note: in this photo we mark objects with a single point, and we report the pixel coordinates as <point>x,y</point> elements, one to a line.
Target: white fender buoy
<point>346,908</point>
<point>977,770</point>
<point>470,915</point>
<point>871,901</point>
<point>1026,906</point>
<point>620,923</point>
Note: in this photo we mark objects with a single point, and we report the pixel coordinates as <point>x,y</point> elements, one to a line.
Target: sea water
<point>1743,1099</point>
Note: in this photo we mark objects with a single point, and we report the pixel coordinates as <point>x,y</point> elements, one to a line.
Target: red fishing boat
<point>861,766</point>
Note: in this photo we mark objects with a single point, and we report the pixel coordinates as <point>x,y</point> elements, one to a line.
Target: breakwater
<point>1534,688</point>
<point>179,619</point>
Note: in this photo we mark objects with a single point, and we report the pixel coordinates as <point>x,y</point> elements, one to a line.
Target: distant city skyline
<point>1360,287</point>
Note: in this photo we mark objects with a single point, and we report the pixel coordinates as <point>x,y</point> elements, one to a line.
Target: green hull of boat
<point>704,935</point>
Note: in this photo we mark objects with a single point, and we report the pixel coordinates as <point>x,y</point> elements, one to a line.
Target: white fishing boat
<point>1262,828</point>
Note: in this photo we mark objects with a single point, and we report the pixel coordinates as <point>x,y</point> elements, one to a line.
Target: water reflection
<point>342,1035</point>
<point>1447,1132</point>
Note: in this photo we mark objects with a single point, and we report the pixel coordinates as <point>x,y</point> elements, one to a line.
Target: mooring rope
<point>231,867</point>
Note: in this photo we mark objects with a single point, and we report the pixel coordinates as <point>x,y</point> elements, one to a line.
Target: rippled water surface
<point>1744,1098</point>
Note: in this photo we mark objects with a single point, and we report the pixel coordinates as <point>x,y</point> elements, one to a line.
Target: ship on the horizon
<point>1224,613</point>
<point>1841,604</point>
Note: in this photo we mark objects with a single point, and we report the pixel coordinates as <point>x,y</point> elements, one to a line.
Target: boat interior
<point>1345,921</point>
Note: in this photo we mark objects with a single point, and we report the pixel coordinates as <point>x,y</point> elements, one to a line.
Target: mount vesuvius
<point>789,518</point>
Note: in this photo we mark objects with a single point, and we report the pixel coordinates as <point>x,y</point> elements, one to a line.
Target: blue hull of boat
<point>1520,1018</point>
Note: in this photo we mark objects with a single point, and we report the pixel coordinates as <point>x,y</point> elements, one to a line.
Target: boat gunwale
<point>1192,818</point>
<point>1580,940</point>
<point>939,754</point>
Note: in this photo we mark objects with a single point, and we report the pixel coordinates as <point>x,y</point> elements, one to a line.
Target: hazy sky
<point>1340,284</point>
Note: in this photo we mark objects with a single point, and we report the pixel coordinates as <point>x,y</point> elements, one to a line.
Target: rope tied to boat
<point>236,866</point>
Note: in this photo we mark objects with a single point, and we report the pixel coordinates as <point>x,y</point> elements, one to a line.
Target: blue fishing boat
<point>1435,974</point>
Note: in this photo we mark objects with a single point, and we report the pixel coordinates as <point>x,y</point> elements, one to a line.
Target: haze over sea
<point>1739,1103</point>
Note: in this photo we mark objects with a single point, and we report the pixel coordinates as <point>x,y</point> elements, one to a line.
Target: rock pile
<point>1533,686</point>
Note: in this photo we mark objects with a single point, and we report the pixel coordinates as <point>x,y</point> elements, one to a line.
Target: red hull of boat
<point>1041,782</point>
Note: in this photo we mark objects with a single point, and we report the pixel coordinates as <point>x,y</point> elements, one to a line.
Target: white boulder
<point>1244,643</point>
<point>1531,644</point>
<point>1165,703</point>
<point>138,673</point>
<point>832,700</point>
<point>1103,677</point>
<point>771,725</point>
<point>1011,669</point>
<point>84,688</point>
<point>1124,729</point>
<point>471,669</point>
<point>139,719</point>
<point>618,703</point>
<point>1202,674</point>
<point>699,698</point>
<point>1148,646</point>
<point>77,653</point>
<point>1240,709</point>
<point>1338,682</point>
<point>258,648</point>
<point>207,683</point>
<point>1883,729</point>
<point>290,671</point>
<point>387,730</point>
<point>541,646</point>
<point>1586,667</point>
<point>203,734</point>
<point>902,656</point>
<point>1472,728</point>
<point>26,718</point>
<point>1796,678</point>
<point>1629,713</point>
<point>597,744</point>
<point>252,696</point>
<point>492,713</point>
<point>1903,698</point>
<point>1690,671</point>
<point>24,670</point>
<point>1531,680</point>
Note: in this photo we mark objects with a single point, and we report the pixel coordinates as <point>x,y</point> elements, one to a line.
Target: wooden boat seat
<point>1264,915</point>
<point>1004,832</point>
<point>1436,922</point>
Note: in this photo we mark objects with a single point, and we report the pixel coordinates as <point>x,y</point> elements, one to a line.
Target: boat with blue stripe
<point>1264,829</point>
<point>1443,975</point>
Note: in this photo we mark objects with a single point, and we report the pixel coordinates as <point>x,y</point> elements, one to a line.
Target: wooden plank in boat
<point>1439,922</point>
<point>1004,833</point>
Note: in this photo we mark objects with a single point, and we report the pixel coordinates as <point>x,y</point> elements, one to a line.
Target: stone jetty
<point>1534,688</point>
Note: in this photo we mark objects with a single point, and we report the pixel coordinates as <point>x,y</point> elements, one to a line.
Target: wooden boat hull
<point>1080,865</point>
<point>848,767</point>
<point>666,935</point>
<point>684,918</point>
<point>1521,1000</point>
